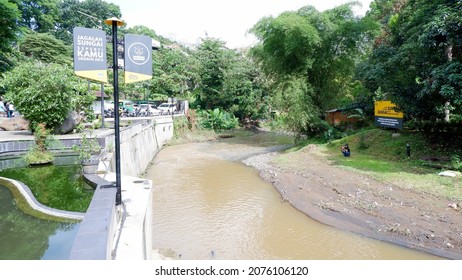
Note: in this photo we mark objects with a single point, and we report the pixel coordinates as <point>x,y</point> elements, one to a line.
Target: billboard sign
<point>90,54</point>
<point>388,114</point>
<point>138,58</point>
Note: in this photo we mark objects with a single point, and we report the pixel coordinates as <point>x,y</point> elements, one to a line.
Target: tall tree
<point>313,54</point>
<point>229,80</point>
<point>419,63</point>
<point>246,95</point>
<point>172,72</point>
<point>87,13</point>
<point>38,15</point>
<point>9,16</point>
<point>214,60</point>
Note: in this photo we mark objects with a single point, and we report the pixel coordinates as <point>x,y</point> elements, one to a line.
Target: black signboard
<point>138,58</point>
<point>389,122</point>
<point>90,54</point>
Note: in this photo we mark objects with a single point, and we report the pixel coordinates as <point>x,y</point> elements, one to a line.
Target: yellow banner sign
<point>131,77</point>
<point>387,109</point>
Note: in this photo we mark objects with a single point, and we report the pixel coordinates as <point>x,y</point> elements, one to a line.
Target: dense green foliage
<point>304,63</point>
<point>43,100</point>
<point>173,73</point>
<point>87,13</point>
<point>229,80</point>
<point>38,15</point>
<point>417,61</point>
<point>9,15</point>
<point>217,120</point>
<point>311,57</point>
<point>214,60</point>
<point>46,48</point>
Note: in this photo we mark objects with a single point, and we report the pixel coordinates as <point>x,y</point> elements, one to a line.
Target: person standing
<point>11,110</point>
<point>7,108</point>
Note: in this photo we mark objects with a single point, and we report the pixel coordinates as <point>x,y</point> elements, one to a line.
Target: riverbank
<point>354,201</point>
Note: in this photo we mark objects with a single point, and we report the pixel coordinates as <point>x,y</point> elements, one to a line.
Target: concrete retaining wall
<point>98,237</point>
<point>139,144</point>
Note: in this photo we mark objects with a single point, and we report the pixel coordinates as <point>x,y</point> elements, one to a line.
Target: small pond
<point>24,237</point>
<point>60,187</point>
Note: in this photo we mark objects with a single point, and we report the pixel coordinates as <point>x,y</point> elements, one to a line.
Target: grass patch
<point>383,156</point>
<point>366,163</point>
<point>380,148</point>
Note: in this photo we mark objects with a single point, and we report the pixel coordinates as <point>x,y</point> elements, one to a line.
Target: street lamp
<point>114,22</point>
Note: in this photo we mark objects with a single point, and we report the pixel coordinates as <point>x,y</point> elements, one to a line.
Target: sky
<point>187,21</point>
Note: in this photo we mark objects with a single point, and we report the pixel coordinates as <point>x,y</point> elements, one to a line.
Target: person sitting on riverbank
<point>346,150</point>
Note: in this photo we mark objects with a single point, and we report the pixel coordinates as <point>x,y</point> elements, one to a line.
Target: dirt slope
<point>356,202</point>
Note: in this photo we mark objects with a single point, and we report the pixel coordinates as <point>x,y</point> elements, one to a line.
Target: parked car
<point>167,108</point>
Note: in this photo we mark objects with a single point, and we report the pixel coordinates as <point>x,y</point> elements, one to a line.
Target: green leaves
<point>38,15</point>
<point>42,93</point>
<point>417,62</point>
<point>310,57</point>
<point>288,43</point>
<point>46,48</point>
<point>9,15</point>
<point>217,119</point>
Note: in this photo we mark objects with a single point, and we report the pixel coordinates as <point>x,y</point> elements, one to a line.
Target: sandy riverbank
<point>353,201</point>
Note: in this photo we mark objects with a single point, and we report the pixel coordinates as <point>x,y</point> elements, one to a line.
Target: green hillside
<point>383,155</point>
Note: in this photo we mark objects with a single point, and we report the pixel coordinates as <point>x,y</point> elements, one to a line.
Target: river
<point>208,205</point>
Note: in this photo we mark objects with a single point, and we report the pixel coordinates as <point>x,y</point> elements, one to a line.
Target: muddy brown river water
<point>209,205</point>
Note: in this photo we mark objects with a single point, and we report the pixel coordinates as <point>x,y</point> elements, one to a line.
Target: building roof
<point>98,95</point>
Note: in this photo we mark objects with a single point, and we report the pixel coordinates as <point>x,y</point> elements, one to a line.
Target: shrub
<point>39,153</point>
<point>218,120</point>
<point>44,93</point>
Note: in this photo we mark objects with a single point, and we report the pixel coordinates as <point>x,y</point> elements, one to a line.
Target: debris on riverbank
<point>356,202</point>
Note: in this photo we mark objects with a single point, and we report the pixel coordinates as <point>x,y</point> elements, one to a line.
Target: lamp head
<point>109,21</point>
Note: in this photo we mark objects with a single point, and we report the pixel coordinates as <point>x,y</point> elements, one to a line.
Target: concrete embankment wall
<point>139,144</point>
<point>99,238</point>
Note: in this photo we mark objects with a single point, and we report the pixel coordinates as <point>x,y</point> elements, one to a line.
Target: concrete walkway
<point>27,135</point>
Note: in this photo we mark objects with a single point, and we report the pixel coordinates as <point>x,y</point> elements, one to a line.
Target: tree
<point>141,30</point>
<point>172,73</point>
<point>294,95</point>
<point>320,47</point>
<point>38,15</point>
<point>418,64</point>
<point>70,16</point>
<point>44,93</point>
<point>245,93</point>
<point>9,15</point>
<point>229,80</point>
<point>214,60</point>
<point>46,48</point>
